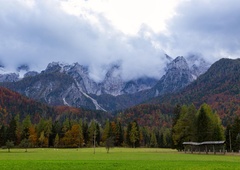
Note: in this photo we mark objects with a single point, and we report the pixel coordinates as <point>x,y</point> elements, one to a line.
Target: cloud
<point>39,32</point>
<point>208,27</point>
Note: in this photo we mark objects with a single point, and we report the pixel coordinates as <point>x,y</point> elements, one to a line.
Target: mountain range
<point>71,85</point>
<point>219,87</point>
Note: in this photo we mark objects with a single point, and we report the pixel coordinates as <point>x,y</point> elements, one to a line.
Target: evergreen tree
<point>42,138</point>
<point>81,134</point>
<point>56,130</point>
<point>11,131</point>
<point>19,129</point>
<point>161,140</point>
<point>2,135</point>
<point>48,129</point>
<point>146,137</point>
<point>218,131</point>
<point>25,126</point>
<point>227,136</point>
<point>119,135</point>
<point>184,129</point>
<point>98,134</point>
<point>66,125</point>
<point>107,131</point>
<point>153,141</point>
<point>204,124</point>
<point>127,134</point>
<point>176,116</point>
<point>134,134</point>
<point>85,132</point>
<point>40,127</point>
<point>56,141</point>
<point>235,133</point>
<point>209,126</point>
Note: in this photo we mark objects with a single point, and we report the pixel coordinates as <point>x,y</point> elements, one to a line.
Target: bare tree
<point>109,143</point>
<point>9,145</point>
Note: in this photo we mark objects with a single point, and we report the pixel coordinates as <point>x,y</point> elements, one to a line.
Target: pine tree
<point>11,131</point>
<point>119,135</point>
<point>2,135</point>
<point>184,128</point>
<point>19,129</point>
<point>85,132</point>
<point>227,137</point>
<point>106,131</point>
<point>56,141</point>
<point>42,138</point>
<point>208,125</point>
<point>234,134</point>
<point>134,134</point>
<point>204,125</point>
<point>48,129</point>
<point>153,141</point>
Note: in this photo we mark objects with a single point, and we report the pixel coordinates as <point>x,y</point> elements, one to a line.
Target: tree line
<point>188,124</point>
<point>73,133</point>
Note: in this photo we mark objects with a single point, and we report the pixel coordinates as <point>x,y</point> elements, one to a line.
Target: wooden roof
<point>204,143</point>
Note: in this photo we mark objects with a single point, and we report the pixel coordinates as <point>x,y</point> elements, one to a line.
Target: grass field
<point>118,158</point>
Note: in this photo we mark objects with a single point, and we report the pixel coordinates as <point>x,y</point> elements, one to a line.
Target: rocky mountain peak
<point>30,74</point>
<point>113,82</point>
<point>57,67</point>
<point>178,63</point>
<point>53,67</point>
<point>177,76</point>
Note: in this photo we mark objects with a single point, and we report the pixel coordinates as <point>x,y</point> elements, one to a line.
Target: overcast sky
<point>135,33</point>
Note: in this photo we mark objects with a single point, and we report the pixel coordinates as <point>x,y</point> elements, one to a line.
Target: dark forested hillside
<point>12,103</point>
<point>154,116</point>
<point>218,87</point>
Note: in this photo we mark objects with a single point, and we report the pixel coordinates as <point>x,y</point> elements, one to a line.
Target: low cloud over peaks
<point>209,27</point>
<point>43,33</point>
<point>38,32</point>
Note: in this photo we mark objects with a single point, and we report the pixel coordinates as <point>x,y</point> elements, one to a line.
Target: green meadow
<point>118,158</point>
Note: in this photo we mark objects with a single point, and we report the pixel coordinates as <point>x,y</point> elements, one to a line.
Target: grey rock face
<point>177,76</point>
<point>11,77</point>
<point>31,74</point>
<point>71,85</point>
